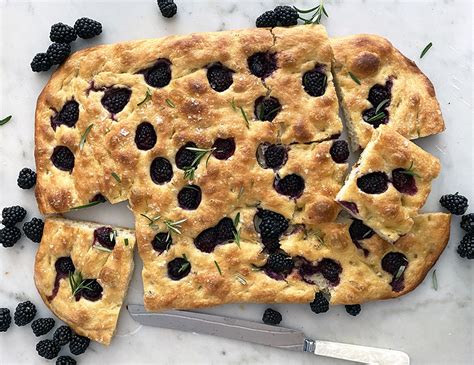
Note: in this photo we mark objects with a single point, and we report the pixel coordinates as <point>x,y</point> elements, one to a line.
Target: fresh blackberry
<point>65,360</point>
<point>392,262</point>
<point>314,82</point>
<point>272,246</point>
<point>64,266</point>
<point>467,222</point>
<point>207,240</point>
<point>115,99</point>
<point>330,270</point>
<point>272,225</point>
<point>5,319</point>
<point>92,291</point>
<point>404,181</point>
<point>286,15</point>
<point>280,262</point>
<point>359,231</point>
<point>62,158</point>
<point>320,304</point>
<point>189,197</point>
<point>34,229</point>
<point>219,77</point>
<point>224,148</point>
<point>466,247</point>
<point>87,28</point>
<point>373,183</point>
<point>13,215</point>
<point>271,316</point>
<point>159,75</point>
<point>161,170</point>
<point>184,157</point>
<point>48,349</point>
<point>262,64</point>
<point>275,156</point>
<point>379,93</point>
<point>162,241</point>
<point>26,178</point>
<point>62,335</point>
<point>68,116</point>
<point>267,19</point>
<point>339,151</point>
<point>291,185</point>
<point>178,268</point>
<point>9,236</point>
<point>225,230</point>
<point>62,33</point>
<point>167,8</point>
<point>58,52</point>
<point>266,108</point>
<point>105,236</point>
<point>370,113</point>
<point>42,326</point>
<point>145,136</point>
<point>41,62</point>
<point>78,344</point>
<point>25,312</point>
<point>353,309</point>
<point>454,203</point>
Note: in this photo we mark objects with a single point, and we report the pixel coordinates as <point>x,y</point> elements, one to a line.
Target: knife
<point>280,337</point>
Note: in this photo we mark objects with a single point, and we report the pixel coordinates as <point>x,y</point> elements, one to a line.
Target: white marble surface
<point>434,327</point>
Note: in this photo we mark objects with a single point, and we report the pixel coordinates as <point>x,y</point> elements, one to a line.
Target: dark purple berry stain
<point>328,268</point>
<point>98,198</point>
<point>404,182</point>
<point>63,158</point>
<point>162,241</point>
<point>373,183</point>
<point>161,171</point>
<point>145,136</point>
<point>391,263</point>
<point>291,185</point>
<point>68,115</point>
<point>92,290</point>
<point>224,148</point>
<point>178,268</point>
<point>315,81</point>
<point>272,156</point>
<point>158,75</point>
<point>339,151</point>
<point>64,266</point>
<point>262,64</point>
<point>184,157</point>
<point>115,99</point>
<point>358,232</point>
<point>352,207</point>
<point>266,108</point>
<point>189,197</point>
<point>219,77</point>
<point>105,237</point>
<point>223,232</point>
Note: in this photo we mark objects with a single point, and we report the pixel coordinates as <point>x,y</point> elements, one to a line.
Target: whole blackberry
<point>373,183</point>
<point>339,151</point>
<point>266,108</point>
<point>92,291</point>
<point>359,231</point>
<point>466,247</point>
<point>330,270</point>
<point>280,262</point>
<point>271,316</point>
<point>392,262</point>
<point>26,178</point>
<point>377,94</point>
<point>320,304</point>
<point>291,185</point>
<point>62,33</point>
<point>262,64</point>
<point>13,215</point>
<point>267,19</point>
<point>87,28</point>
<point>286,15</point>
<point>63,158</point>
<point>42,326</point>
<point>224,148</point>
<point>275,156</point>
<point>58,52</point>
<point>161,170</point>
<point>9,236</point>
<point>115,99</point>
<point>189,197</point>
<point>68,115</point>
<point>158,75</point>
<point>467,222</point>
<point>5,319</point>
<point>314,83</point>
<point>271,226</point>
<point>105,236</point>
<point>225,230</point>
<point>219,77</point>
<point>167,8</point>
<point>24,313</point>
<point>34,229</point>
<point>145,136</point>
<point>370,113</point>
<point>184,157</point>
<point>454,203</point>
<point>207,240</point>
<point>48,349</point>
<point>178,268</point>
<point>40,62</point>
<point>162,241</point>
<point>65,360</point>
<point>62,335</point>
<point>64,266</point>
<point>78,344</point>
<point>353,309</point>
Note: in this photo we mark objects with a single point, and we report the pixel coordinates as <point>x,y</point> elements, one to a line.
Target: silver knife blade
<point>281,337</point>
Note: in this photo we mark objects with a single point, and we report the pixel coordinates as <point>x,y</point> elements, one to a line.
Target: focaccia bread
<point>109,110</point>
<point>389,184</point>
<point>386,77</point>
<point>82,272</point>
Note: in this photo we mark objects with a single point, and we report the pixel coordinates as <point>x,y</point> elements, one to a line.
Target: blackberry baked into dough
<point>82,272</point>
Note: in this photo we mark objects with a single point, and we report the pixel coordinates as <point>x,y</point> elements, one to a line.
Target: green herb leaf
<point>316,17</point>
<point>381,104</point>
<point>426,49</point>
<point>148,96</point>
<point>410,171</point>
<point>240,279</point>
<point>91,204</point>
<point>77,283</point>
<point>435,280</point>
<point>376,117</point>
<point>232,104</point>
<point>174,226</point>
<point>353,77</point>
<point>218,268</point>
<point>200,154</point>
<point>245,117</point>
<point>151,221</point>
<point>189,173</point>
<point>256,268</point>
<point>183,266</point>
<point>5,120</point>
<point>400,272</point>
<point>170,103</point>
<point>102,248</point>
<point>241,192</point>
<point>116,177</point>
<point>126,241</point>
<point>84,136</point>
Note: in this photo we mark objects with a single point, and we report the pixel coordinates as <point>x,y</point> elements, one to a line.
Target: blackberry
<point>392,262</point>
<point>25,312</point>
<point>207,240</point>
<point>62,33</point>
<point>224,148</point>
<point>162,241</point>
<point>286,15</point>
<point>58,52</point>
<point>275,156</point>
<point>64,265</point>
<point>189,197</point>
<point>115,99</point>
<point>13,215</point>
<point>87,28</point>
<point>330,269</point>
<point>78,344</point>
<point>267,19</point>
<point>266,108</point>
<point>98,198</point>
<point>167,8</point>
<point>65,360</point>
<point>145,136</point>
<point>320,304</point>
<point>225,230</point>
<point>339,151</point>
<point>161,171</point>
<point>184,157</point>
<point>34,229</point>
<point>26,178</point>
<point>377,94</point>
<point>62,335</point>
<point>291,185</point>
<point>454,203</point>
<point>219,77</point>
<point>5,319</point>
<point>69,115</point>
<point>272,225</point>
<point>370,113</point>
<point>48,349</point>
<point>92,291</point>
<point>42,326</point>
<point>178,268</point>
<point>353,309</point>
<point>280,262</point>
<point>158,75</point>
<point>272,246</point>
<point>466,247</point>
<point>404,182</point>
<point>262,64</point>
<point>467,222</point>
<point>359,231</point>
<point>9,236</point>
<point>314,82</point>
<point>105,236</point>
<point>373,183</point>
<point>40,62</point>
<point>62,158</point>
<point>271,316</point>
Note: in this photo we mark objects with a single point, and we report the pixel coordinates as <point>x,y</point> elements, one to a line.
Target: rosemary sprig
<point>113,235</point>
<point>261,112</point>
<point>316,17</point>
<point>77,283</point>
<point>232,104</point>
<point>116,177</point>
<point>174,226</point>
<point>256,268</point>
<point>148,96</point>
<point>435,280</point>
<point>244,114</point>
<point>151,221</point>
<point>170,103</point>
<point>102,248</point>
<point>200,154</point>
<point>240,279</point>
<point>5,120</point>
<point>400,272</point>
<point>377,117</point>
<point>218,268</point>
<point>84,136</point>
<point>381,105</point>
<point>237,229</point>
<point>426,49</point>
<point>184,265</point>
<point>91,204</point>
<point>354,77</point>
<point>241,192</point>
<point>126,241</point>
<point>410,171</point>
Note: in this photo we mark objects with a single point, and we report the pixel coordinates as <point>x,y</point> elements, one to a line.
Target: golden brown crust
<point>414,111</point>
<point>94,319</point>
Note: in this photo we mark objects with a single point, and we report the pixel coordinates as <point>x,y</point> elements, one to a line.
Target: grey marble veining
<point>434,327</point>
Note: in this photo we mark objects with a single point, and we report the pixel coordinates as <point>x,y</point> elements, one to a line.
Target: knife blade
<point>259,333</point>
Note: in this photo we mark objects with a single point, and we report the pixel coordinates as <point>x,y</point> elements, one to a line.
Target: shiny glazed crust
<point>390,213</point>
<point>414,111</point>
<point>94,319</point>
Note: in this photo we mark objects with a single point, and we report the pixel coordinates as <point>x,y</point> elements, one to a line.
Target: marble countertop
<point>432,326</point>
